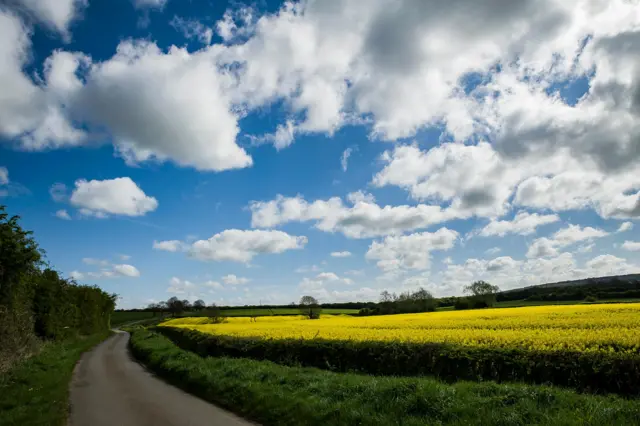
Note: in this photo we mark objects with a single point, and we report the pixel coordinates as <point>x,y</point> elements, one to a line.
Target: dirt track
<point>110,388</point>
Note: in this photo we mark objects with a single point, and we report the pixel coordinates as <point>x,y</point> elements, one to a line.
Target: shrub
<point>462,303</point>
<point>586,371</point>
<point>590,299</point>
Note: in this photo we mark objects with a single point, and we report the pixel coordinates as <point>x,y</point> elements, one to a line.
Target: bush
<point>590,299</point>
<point>462,303</point>
<point>273,394</point>
<point>586,371</point>
<point>35,302</point>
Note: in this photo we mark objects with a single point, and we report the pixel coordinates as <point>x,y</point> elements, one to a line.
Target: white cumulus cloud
<point>237,245</point>
<point>120,196</point>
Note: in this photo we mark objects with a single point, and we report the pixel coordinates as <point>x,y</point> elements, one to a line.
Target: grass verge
<point>596,372</point>
<point>36,391</point>
<point>278,395</point>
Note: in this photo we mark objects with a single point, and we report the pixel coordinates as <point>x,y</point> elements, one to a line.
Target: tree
<point>482,293</point>
<point>175,306</point>
<point>199,305</point>
<point>310,307</point>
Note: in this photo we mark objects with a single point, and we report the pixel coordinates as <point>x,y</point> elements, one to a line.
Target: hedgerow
<point>596,372</point>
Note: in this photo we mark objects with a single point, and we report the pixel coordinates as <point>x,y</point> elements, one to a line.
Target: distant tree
<point>175,306</point>
<point>215,314</point>
<point>386,297</point>
<point>423,300</point>
<point>186,305</point>
<point>310,307</point>
<point>199,305</point>
<point>482,293</point>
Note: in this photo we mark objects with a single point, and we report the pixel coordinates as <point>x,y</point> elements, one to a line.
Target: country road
<point>110,388</point>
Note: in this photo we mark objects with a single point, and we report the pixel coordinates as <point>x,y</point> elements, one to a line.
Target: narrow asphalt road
<point>110,388</point>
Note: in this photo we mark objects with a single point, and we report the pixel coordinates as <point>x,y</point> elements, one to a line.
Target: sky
<point>252,153</point>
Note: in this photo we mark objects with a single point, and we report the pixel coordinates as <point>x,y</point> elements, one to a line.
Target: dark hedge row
<point>36,302</point>
<point>589,372</point>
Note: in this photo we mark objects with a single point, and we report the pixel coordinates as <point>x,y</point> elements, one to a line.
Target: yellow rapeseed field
<point>610,328</point>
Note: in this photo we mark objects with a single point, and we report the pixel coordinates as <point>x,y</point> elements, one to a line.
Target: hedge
<point>596,372</point>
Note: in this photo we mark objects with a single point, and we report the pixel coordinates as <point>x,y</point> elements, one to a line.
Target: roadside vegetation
<point>46,322</point>
<point>36,391</point>
<point>590,348</point>
<point>273,394</point>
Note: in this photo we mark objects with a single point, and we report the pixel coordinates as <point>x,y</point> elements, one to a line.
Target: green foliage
<point>463,303</point>
<point>38,303</point>
<point>278,395</point>
<point>36,391</point>
<point>623,287</point>
<point>585,371</point>
<point>310,307</point>
<point>404,303</point>
<point>483,294</point>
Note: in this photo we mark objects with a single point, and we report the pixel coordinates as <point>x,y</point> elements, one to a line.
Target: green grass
<point>122,317</point>
<point>277,395</point>
<point>36,391</point>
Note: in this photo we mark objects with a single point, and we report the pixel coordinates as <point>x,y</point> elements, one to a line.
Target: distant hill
<point>609,287</point>
<point>584,281</point>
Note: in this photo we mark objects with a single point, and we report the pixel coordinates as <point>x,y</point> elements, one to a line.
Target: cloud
<point>340,254</point>
<point>523,223</point>
<point>76,275</point>
<point>306,269</point>
<point>63,214</point>
<point>171,245</point>
<point>126,270</point>
<point>178,286</point>
<point>56,14</point>
<point>234,280</point>
<point>493,250</point>
<point>236,245</point>
<point>543,247</point>
<point>319,282</point>
<point>363,220</point>
<point>625,226</point>
<point>345,158</point>
<point>631,246</point>
<point>166,106</point>
<point>360,197</point>
<point>124,257</point>
<point>213,284</point>
<point>192,29</point>
<point>120,196</point>
<point>410,251</point>
<point>58,192</point>
<point>4,176</point>
<point>509,273</point>
<point>96,262</point>
<point>107,270</point>
<point>155,4</point>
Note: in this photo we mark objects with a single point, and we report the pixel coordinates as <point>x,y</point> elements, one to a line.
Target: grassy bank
<point>277,395</point>
<point>596,372</point>
<point>36,391</point>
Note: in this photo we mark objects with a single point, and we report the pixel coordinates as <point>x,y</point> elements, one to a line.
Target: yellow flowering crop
<point>605,327</point>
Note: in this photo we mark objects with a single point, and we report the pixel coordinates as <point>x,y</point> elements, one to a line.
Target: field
<point>124,317</point>
<point>278,311</point>
<point>273,394</point>
<point>594,348</point>
<point>584,328</point>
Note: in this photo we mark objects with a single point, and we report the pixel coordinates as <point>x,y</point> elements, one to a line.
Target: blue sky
<point>256,152</point>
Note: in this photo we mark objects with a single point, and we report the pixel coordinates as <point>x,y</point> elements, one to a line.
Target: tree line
<point>36,302</point>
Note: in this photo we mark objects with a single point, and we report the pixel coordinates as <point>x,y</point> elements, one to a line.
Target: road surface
<point>110,388</point>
